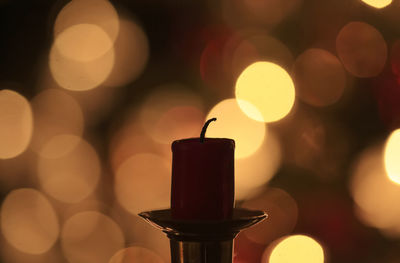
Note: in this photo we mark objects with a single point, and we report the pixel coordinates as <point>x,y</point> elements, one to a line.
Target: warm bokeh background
<point>93,92</point>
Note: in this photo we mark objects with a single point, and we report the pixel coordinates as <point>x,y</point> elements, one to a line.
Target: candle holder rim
<point>238,214</point>
<point>197,139</point>
<point>196,230</point>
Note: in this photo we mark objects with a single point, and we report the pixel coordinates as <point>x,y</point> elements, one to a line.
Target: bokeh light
<point>131,139</point>
<point>254,171</point>
<point>283,212</point>
<point>55,113</point>
<point>136,254</point>
<point>95,12</point>
<point>177,123</point>
<point>268,13</point>
<point>131,53</point>
<point>70,174</point>
<point>28,221</point>
<point>11,254</point>
<point>143,183</point>
<point>319,77</point>
<point>73,74</point>
<point>59,145</point>
<point>377,3</point>
<point>170,113</point>
<point>297,248</point>
<point>362,49</point>
<point>257,46</point>
<point>91,237</point>
<point>83,42</point>
<point>374,193</point>
<point>139,233</point>
<point>233,123</point>
<point>392,156</point>
<point>269,88</point>
<point>102,88</point>
<point>92,203</point>
<point>16,124</point>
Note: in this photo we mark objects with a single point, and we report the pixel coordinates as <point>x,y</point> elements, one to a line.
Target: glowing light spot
<point>269,88</point>
<point>28,221</point>
<point>392,156</point>
<point>168,103</point>
<point>142,234</point>
<point>177,123</point>
<point>319,77</point>
<point>297,248</point>
<point>136,254</point>
<point>60,145</point>
<point>129,140</point>
<point>69,175</point>
<point>266,12</point>
<point>256,170</point>
<point>256,47</point>
<point>73,74</point>
<point>362,49</point>
<point>142,183</point>
<point>233,123</point>
<point>16,124</point>
<point>131,53</point>
<point>96,12</point>
<point>92,203</point>
<point>83,42</point>
<point>377,3</point>
<point>91,237</point>
<point>11,254</point>
<point>55,113</point>
<point>374,193</point>
<point>283,210</point>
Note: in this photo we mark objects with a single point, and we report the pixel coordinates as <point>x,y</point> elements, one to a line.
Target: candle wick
<point>203,131</point>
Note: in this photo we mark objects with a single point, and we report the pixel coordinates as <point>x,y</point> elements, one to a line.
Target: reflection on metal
<point>202,241</point>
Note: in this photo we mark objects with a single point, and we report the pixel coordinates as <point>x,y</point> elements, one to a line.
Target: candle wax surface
<point>202,179</point>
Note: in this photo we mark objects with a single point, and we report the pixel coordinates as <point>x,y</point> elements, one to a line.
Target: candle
<point>202,178</point>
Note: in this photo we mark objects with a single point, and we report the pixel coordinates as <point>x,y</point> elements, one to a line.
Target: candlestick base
<point>202,241</point>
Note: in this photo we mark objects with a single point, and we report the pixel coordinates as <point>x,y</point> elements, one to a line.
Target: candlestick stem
<point>199,252</point>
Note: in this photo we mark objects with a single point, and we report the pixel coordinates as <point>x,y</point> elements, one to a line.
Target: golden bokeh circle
<point>269,88</point>
<point>136,254</point>
<point>28,221</point>
<point>71,174</point>
<point>362,49</point>
<point>91,237</point>
<point>233,123</point>
<point>297,248</point>
<point>16,124</point>
<point>392,156</point>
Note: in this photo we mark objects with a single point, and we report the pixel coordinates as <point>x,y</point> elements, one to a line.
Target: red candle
<point>202,178</point>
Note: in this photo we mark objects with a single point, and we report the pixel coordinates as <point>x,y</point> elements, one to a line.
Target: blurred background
<point>93,92</point>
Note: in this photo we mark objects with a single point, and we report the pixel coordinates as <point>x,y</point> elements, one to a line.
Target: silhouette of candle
<point>202,178</point>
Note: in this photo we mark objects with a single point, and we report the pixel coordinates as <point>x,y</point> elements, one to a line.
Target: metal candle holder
<point>202,241</point>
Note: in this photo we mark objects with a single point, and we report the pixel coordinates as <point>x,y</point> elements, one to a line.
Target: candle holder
<point>202,241</point>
